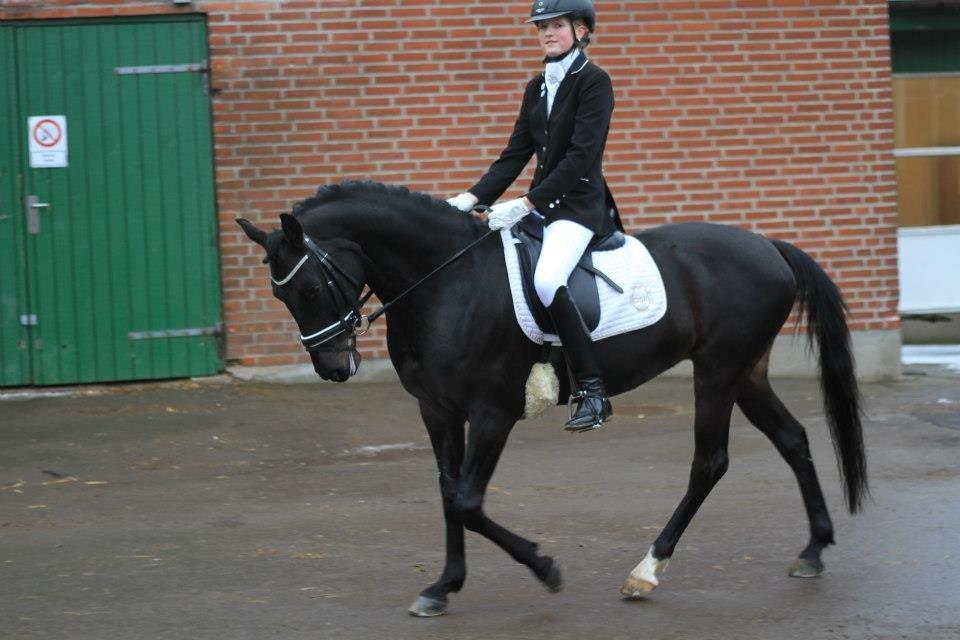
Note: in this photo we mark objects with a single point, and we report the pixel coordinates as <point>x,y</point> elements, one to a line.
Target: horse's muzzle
<point>336,366</point>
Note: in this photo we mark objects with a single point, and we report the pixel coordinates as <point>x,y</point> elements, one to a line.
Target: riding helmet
<point>575,9</point>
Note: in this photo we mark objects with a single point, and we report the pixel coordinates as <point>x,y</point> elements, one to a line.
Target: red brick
<point>772,115</point>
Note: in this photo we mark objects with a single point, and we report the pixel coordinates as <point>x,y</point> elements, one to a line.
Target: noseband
<point>350,320</point>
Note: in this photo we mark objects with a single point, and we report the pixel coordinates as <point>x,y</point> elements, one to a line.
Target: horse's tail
<point>820,299</point>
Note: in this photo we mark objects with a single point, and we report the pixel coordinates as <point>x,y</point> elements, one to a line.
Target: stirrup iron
<point>600,421</point>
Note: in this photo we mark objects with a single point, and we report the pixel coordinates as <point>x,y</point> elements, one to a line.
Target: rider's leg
<point>563,245</point>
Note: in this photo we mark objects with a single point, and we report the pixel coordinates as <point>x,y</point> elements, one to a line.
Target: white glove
<point>506,214</point>
<point>464,201</point>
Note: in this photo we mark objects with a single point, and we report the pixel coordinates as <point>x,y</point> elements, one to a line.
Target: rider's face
<point>556,35</point>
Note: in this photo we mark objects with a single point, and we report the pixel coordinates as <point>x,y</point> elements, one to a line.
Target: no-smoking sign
<point>48,141</point>
<point>48,133</point>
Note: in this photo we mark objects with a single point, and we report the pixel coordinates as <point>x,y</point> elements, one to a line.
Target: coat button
<point>544,148</point>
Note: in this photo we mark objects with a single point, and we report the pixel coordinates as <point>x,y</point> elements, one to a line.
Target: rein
<point>379,312</point>
<point>352,322</point>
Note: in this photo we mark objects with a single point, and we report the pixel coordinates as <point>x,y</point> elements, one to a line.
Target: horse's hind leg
<point>715,396</point>
<point>764,409</point>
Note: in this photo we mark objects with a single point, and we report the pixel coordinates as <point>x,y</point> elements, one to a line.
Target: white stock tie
<point>553,76</point>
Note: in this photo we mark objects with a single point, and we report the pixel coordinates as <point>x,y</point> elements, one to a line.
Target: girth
<point>528,240</point>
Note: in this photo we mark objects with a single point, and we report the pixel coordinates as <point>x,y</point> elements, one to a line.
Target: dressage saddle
<point>528,240</point>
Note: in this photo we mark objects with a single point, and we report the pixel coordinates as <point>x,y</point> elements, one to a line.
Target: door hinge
<point>29,320</point>
<point>215,330</point>
<point>195,67</point>
<point>162,68</point>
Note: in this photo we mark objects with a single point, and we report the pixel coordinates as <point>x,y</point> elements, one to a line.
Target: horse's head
<point>320,282</point>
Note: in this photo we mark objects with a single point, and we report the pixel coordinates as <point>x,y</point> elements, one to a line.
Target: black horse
<point>458,350</point>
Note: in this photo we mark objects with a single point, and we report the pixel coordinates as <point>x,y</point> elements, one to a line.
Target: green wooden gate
<point>109,266</point>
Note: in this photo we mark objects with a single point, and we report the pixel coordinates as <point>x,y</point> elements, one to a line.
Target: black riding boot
<point>593,407</point>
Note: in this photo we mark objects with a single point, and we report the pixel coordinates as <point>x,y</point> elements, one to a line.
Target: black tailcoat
<point>568,183</point>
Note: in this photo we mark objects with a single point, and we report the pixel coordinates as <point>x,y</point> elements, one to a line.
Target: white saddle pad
<point>643,301</point>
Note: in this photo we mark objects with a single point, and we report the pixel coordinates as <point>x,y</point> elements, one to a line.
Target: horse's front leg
<point>446,435</point>
<point>487,437</point>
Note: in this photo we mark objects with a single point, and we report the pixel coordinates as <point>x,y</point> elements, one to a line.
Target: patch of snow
<point>947,355</point>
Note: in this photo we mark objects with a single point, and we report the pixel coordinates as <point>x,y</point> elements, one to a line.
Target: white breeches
<point>564,242</point>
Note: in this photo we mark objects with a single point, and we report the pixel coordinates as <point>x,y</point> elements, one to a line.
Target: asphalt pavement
<point>218,509</point>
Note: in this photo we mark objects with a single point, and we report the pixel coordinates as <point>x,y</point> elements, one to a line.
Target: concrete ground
<point>239,510</point>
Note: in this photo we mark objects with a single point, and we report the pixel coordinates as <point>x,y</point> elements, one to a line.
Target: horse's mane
<point>438,211</point>
<point>378,190</point>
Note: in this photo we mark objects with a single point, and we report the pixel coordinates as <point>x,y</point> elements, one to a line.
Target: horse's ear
<point>257,235</point>
<point>292,230</point>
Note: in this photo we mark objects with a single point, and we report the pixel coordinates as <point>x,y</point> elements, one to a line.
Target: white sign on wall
<point>48,141</point>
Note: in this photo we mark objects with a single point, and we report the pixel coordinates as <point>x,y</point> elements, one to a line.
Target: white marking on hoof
<point>643,579</point>
<point>543,389</point>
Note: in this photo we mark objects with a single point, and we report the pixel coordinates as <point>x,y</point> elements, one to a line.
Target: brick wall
<point>774,115</point>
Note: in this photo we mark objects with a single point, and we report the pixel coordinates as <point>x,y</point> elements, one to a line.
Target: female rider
<point>564,119</point>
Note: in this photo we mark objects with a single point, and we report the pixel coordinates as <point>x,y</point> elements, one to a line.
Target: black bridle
<point>350,319</point>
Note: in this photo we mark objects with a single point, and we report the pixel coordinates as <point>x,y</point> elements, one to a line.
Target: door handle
<point>33,213</point>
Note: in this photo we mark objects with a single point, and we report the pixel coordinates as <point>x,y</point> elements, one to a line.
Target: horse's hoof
<point>547,571</point>
<point>424,607</point>
<point>634,587</point>
<point>803,568</point>
<point>554,579</point>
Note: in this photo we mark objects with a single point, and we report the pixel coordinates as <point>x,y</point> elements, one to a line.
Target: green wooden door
<point>121,268</point>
